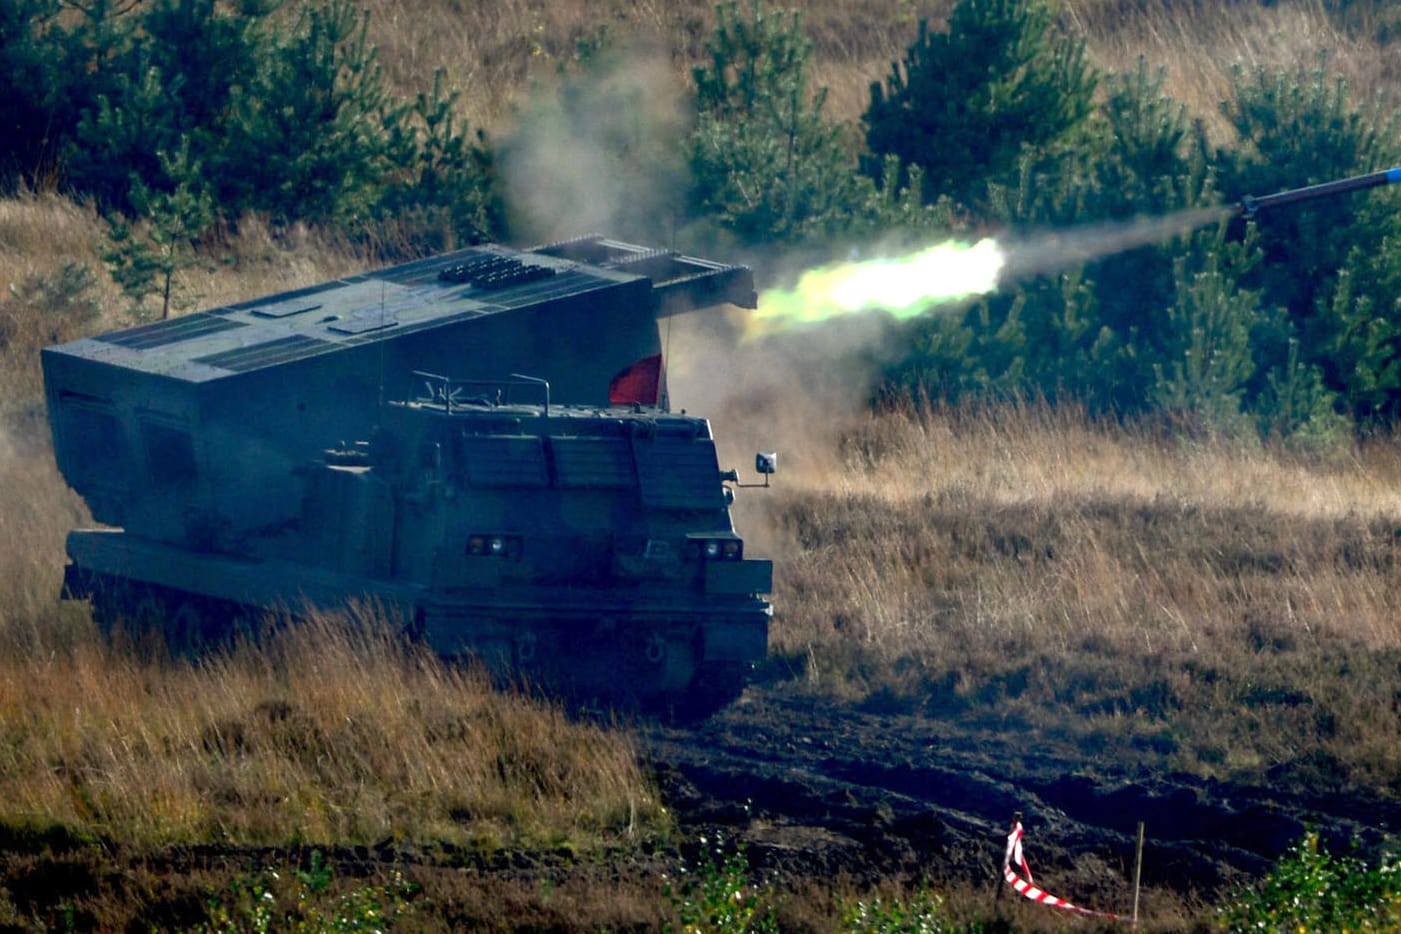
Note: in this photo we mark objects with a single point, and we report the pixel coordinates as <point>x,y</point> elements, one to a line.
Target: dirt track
<point>816,787</point>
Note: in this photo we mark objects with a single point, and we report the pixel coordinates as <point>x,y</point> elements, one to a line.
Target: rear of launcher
<point>479,442</point>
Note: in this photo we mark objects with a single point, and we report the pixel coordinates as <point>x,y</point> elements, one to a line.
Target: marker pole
<point>1137,873</point>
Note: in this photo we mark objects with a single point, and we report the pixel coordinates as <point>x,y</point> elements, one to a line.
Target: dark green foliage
<point>445,193</point>
<point>169,76</point>
<point>310,900</point>
<point>283,116</point>
<point>1295,405</point>
<point>966,105</point>
<point>715,895</point>
<point>315,135</point>
<point>1206,355</point>
<point>921,912</point>
<point>33,77</point>
<point>766,165</point>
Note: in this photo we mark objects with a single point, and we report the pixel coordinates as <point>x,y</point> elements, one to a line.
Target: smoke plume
<point>597,153</point>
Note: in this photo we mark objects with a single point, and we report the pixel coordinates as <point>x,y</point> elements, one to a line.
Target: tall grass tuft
<point>336,730</point>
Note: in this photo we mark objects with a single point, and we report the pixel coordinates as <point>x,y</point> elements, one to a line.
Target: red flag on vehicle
<point>639,383</point>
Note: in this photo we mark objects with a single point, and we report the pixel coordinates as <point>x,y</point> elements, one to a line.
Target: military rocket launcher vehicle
<point>480,442</point>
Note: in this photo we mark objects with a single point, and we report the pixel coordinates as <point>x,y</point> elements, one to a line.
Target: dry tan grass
<point>1224,607</point>
<point>36,511</point>
<point>334,731</point>
<point>39,233</point>
<point>1199,42</point>
<point>496,51</point>
<point>254,261</point>
<point>1028,453</point>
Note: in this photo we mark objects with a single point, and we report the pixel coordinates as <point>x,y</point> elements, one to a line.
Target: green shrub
<point>716,896</point>
<point>285,116</point>
<point>766,165</point>
<point>1312,892</point>
<point>967,104</point>
<point>1110,332</point>
<point>1329,265</point>
<point>919,913</point>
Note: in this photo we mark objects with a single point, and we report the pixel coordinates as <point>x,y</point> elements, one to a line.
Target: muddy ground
<point>887,794</point>
<point>823,797</point>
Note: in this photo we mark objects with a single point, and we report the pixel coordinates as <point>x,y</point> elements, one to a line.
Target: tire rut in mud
<point>815,787</point>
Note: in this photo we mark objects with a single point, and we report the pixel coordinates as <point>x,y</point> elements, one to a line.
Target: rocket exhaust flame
<point>910,285</point>
<point>902,286</point>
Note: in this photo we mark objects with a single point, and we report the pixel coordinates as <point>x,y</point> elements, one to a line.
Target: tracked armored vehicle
<point>479,441</point>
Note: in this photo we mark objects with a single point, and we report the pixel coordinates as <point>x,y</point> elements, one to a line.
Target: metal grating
<point>269,353</point>
<point>593,463</point>
<point>172,331</point>
<point>677,473</point>
<point>505,461</point>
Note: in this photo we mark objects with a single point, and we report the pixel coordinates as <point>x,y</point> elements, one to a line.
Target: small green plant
<point>48,308</point>
<point>1311,891</point>
<point>304,902</point>
<point>919,913</point>
<point>716,896</point>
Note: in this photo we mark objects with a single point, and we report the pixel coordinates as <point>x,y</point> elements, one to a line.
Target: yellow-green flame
<point>904,286</point>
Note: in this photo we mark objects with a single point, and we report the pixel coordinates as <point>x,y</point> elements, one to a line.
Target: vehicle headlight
<point>729,548</point>
<point>493,545</point>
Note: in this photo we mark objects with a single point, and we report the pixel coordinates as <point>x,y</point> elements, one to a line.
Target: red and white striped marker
<point>1025,886</point>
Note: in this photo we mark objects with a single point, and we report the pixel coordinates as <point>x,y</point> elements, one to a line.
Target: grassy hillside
<point>1189,602</point>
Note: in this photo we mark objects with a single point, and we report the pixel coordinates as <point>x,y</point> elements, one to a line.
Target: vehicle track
<point>803,779</point>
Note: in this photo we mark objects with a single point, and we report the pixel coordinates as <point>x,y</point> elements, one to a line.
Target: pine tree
<point>1206,362</point>
<point>966,104</point>
<point>314,135</point>
<point>1092,333</point>
<point>444,192</point>
<point>146,262</point>
<point>766,164</point>
<point>168,76</point>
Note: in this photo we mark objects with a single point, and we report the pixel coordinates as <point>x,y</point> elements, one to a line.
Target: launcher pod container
<point>479,442</point>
